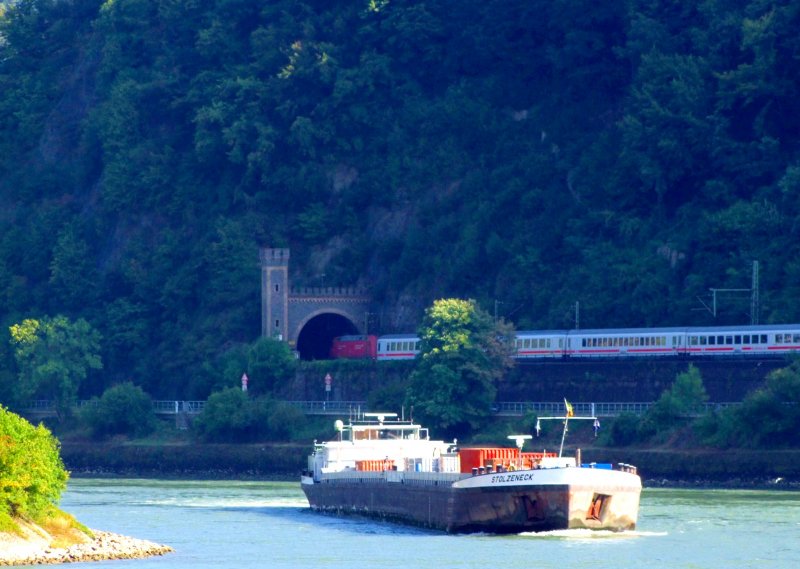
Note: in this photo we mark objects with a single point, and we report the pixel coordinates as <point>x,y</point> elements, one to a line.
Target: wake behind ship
<point>387,468</point>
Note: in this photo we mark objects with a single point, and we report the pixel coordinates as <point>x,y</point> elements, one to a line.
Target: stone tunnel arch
<point>316,333</point>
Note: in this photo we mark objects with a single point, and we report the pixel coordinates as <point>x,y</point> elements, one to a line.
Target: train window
<point>729,340</point>
<point>745,339</point>
<point>542,343</point>
<point>763,338</point>
<point>720,340</point>
<point>712,340</point>
<point>549,343</point>
<point>561,343</point>
<point>737,339</point>
<point>796,338</point>
<point>625,342</point>
<point>703,340</point>
<point>779,338</point>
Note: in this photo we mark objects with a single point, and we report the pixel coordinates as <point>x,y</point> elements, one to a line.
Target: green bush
<point>624,430</point>
<point>122,410</point>
<point>228,416</point>
<point>285,422</point>
<point>32,475</point>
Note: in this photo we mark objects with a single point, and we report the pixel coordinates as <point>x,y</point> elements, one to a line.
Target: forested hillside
<point>534,153</point>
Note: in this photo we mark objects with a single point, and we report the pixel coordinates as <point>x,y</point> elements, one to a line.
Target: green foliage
<point>629,157</point>
<point>624,430</point>
<point>232,416</point>
<point>122,410</point>
<point>269,364</point>
<point>32,476</point>
<point>463,354</point>
<point>768,418</point>
<point>675,406</point>
<point>54,356</point>
<point>228,416</point>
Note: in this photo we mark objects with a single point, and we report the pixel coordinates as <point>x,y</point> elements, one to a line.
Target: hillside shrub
<point>231,416</point>
<point>32,475</point>
<point>124,409</point>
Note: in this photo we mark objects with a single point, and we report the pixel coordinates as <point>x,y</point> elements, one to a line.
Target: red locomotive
<point>355,347</point>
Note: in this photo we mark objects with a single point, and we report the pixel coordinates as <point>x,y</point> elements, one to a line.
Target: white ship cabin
<point>380,442</point>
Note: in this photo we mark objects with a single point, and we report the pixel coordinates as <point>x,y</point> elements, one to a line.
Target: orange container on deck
<point>486,456</point>
<point>498,456</point>
<point>374,465</point>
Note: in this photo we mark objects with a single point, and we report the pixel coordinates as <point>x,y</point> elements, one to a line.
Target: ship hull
<point>539,501</point>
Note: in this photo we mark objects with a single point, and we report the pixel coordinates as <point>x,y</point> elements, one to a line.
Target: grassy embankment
<point>179,455</point>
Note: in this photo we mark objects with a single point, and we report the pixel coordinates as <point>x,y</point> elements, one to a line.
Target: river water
<point>268,524</point>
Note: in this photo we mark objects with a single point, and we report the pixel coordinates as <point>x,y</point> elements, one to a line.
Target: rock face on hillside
<point>37,547</point>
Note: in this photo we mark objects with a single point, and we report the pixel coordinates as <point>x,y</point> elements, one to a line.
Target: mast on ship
<point>569,413</point>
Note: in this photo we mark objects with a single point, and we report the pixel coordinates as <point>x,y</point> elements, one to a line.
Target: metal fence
<point>44,407</point>
<point>602,409</point>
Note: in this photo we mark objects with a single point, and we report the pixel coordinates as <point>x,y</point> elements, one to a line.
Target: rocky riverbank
<point>35,547</point>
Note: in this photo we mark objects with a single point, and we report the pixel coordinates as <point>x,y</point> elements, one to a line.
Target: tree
<point>231,416</point>
<point>54,355</point>
<point>269,364</point>
<point>464,353</point>
<point>686,396</point>
<point>32,475</point>
<point>122,409</point>
<point>768,417</point>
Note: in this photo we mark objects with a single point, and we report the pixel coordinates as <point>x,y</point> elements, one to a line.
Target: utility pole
<point>754,300</point>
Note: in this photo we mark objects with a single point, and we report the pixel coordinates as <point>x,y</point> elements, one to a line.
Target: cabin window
<point>712,340</point>
<point>737,339</point>
<point>720,340</point>
<point>703,340</point>
<point>745,339</point>
<point>729,340</point>
<point>763,338</point>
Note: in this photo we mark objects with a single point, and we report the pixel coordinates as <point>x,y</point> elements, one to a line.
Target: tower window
<point>277,288</point>
<point>277,324</point>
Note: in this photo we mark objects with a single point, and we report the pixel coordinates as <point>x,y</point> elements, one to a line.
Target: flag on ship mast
<point>568,405</point>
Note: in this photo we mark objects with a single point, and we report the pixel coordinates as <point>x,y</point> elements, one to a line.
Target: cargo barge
<point>386,468</point>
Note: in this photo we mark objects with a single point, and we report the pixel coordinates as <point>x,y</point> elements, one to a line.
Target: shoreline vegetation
<point>668,467</point>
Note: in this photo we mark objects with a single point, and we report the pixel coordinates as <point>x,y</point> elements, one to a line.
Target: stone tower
<point>275,293</point>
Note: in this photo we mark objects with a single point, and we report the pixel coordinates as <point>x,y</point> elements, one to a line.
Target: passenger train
<point>602,343</point>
